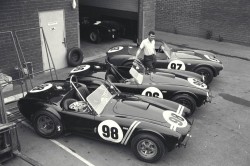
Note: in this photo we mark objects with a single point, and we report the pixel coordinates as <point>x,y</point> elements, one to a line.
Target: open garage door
<point>124,12</point>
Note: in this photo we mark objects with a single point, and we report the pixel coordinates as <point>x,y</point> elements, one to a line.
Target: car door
<point>83,123</point>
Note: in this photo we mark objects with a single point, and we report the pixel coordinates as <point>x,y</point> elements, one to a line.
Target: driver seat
<point>84,92</point>
<point>111,78</point>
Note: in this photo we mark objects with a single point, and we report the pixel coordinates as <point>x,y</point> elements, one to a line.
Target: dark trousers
<point>149,62</point>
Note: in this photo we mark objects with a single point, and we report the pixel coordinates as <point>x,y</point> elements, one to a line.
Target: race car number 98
<point>109,130</point>
<point>174,119</point>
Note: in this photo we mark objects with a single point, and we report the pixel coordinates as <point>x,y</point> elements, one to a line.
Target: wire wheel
<point>147,148</point>
<point>206,72</point>
<point>45,124</point>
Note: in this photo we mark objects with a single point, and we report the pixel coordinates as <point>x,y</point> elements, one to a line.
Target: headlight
<point>211,58</point>
<point>109,30</point>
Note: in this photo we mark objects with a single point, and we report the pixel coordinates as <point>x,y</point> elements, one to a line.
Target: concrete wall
<point>23,14</point>
<point>226,18</point>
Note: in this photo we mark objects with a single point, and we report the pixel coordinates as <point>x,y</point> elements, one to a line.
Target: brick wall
<point>226,18</point>
<point>146,17</point>
<point>17,15</point>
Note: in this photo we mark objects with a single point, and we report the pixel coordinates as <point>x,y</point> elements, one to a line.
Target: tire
<point>47,125</point>
<point>157,147</point>
<point>74,56</point>
<point>186,101</point>
<point>94,37</point>
<point>207,72</point>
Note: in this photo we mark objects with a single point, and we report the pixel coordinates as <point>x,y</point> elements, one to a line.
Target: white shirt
<point>148,47</point>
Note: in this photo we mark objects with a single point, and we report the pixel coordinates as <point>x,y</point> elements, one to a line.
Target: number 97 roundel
<point>177,65</point>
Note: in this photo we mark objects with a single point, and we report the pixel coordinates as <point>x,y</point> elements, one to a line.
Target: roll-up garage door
<point>125,5</point>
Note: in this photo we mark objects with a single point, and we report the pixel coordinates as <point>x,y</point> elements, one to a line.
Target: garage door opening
<point>123,13</point>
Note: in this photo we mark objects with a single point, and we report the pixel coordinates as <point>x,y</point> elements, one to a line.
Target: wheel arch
<point>45,108</point>
<point>167,141</point>
<point>185,93</point>
<point>206,65</point>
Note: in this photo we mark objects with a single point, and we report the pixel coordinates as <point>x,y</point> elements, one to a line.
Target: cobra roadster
<point>99,30</point>
<point>198,61</point>
<point>149,126</point>
<point>189,92</point>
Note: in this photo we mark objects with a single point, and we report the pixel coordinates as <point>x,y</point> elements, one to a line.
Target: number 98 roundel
<point>109,130</point>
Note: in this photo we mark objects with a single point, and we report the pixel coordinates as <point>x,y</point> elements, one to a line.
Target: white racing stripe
<point>178,112</point>
<point>130,128</point>
<point>63,147</point>
<point>131,132</point>
<point>178,109</point>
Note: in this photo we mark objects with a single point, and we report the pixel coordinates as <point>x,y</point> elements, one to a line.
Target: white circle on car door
<point>41,88</point>
<point>109,130</point>
<point>177,65</point>
<point>152,92</point>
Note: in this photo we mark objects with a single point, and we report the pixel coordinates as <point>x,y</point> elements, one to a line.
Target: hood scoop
<point>139,109</point>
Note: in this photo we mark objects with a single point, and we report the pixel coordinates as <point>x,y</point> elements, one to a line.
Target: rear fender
<point>49,109</point>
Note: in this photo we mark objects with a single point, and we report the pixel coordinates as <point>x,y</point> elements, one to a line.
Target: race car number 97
<point>177,65</point>
<point>109,130</point>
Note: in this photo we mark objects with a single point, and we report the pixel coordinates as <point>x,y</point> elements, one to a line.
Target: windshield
<point>136,74</point>
<point>166,49</point>
<point>99,98</point>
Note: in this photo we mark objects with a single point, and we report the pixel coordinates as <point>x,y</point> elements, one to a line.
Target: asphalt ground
<point>220,134</point>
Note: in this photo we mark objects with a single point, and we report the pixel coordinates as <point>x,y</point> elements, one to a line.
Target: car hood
<point>146,109</point>
<point>162,79</point>
<point>122,50</point>
<point>179,73</point>
<point>195,55</point>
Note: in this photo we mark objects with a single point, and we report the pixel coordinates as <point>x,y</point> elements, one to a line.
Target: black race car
<point>189,92</point>
<point>149,125</point>
<point>198,61</point>
<point>98,30</point>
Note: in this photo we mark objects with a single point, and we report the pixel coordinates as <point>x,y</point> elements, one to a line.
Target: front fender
<point>215,73</point>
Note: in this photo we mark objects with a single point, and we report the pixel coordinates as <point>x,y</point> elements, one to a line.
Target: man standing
<point>148,45</point>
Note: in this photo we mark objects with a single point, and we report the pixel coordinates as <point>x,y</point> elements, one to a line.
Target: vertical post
<point>3,115</point>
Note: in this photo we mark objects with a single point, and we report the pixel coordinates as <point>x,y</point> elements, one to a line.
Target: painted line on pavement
<point>63,147</point>
<point>71,152</point>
